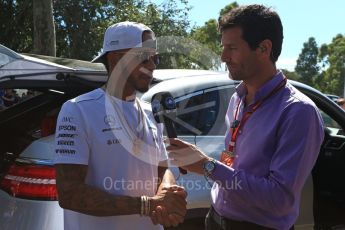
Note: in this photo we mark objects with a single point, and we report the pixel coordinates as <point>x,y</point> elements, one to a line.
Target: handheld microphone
<point>164,111</point>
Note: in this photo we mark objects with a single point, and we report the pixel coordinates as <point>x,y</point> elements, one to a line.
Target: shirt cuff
<point>222,174</point>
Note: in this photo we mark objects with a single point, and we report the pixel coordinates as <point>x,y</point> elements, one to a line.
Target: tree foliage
<point>291,75</point>
<point>307,62</point>
<point>16,24</point>
<point>333,57</point>
<point>170,23</point>
<point>80,25</point>
<point>330,57</point>
<point>227,8</point>
<point>209,36</point>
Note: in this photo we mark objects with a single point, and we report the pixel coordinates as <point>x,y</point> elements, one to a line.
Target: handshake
<point>168,207</point>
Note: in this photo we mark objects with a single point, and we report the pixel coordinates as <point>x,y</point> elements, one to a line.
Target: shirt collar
<point>264,90</point>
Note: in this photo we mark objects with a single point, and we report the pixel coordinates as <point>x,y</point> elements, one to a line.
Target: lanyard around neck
<point>237,125</point>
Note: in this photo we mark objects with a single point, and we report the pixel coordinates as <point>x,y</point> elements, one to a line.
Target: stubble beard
<point>139,87</point>
<point>142,89</point>
<point>235,76</point>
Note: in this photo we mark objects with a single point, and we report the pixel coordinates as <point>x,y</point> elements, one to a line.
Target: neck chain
<point>135,135</point>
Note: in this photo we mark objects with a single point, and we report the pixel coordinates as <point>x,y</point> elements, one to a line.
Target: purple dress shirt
<point>275,152</point>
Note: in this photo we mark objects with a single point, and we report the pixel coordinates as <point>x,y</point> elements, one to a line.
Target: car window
<point>12,97</point>
<point>203,112</point>
<point>196,113</point>
<point>331,124</point>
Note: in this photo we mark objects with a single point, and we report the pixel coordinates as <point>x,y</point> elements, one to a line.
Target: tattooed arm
<point>172,212</point>
<point>75,195</point>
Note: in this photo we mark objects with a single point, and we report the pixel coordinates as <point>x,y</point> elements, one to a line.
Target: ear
<point>112,59</point>
<point>265,48</point>
<point>262,48</point>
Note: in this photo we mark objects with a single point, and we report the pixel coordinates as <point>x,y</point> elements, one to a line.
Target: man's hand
<point>169,206</point>
<point>186,155</point>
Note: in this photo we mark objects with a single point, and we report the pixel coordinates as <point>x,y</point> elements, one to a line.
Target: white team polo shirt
<point>89,132</point>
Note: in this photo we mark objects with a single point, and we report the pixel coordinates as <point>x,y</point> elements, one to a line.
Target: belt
<point>221,221</point>
<point>226,223</point>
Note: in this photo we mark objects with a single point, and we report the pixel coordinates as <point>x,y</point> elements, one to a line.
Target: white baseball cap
<point>125,35</point>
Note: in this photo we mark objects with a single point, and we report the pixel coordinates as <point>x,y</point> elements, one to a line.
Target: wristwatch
<point>209,167</point>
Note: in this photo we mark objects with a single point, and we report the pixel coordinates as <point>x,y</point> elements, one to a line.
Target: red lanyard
<point>237,125</point>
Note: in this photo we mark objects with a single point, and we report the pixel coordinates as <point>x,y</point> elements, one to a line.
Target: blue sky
<point>301,19</point>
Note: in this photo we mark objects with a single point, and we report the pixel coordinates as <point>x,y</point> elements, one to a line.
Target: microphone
<point>164,111</point>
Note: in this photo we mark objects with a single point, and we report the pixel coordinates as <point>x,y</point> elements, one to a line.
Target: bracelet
<point>145,206</point>
<point>141,205</point>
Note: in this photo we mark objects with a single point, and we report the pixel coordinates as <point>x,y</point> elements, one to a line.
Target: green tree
<point>333,57</point>
<point>307,62</point>
<point>169,18</point>
<point>227,8</point>
<point>80,26</point>
<point>208,35</point>
<point>16,25</point>
<point>291,75</point>
<point>170,23</point>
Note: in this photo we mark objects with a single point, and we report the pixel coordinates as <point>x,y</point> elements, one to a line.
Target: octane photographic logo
<point>189,184</point>
<point>148,146</point>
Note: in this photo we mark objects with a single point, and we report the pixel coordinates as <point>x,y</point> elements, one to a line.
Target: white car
<point>28,198</point>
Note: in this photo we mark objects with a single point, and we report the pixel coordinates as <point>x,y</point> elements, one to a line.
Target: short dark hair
<point>257,23</point>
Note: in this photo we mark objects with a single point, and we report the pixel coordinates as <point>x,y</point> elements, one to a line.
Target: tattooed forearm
<point>166,178</point>
<point>75,195</point>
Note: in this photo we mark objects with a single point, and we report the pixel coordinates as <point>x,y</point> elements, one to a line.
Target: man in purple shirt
<point>274,131</point>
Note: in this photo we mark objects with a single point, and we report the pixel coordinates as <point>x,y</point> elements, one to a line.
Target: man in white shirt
<point>109,148</point>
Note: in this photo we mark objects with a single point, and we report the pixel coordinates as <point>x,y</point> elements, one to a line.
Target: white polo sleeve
<point>71,145</point>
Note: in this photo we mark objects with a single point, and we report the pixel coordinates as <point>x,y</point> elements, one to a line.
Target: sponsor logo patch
<point>62,142</point>
<point>111,129</point>
<point>67,119</point>
<point>68,127</point>
<point>113,141</point>
<point>65,151</point>
<point>67,135</point>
